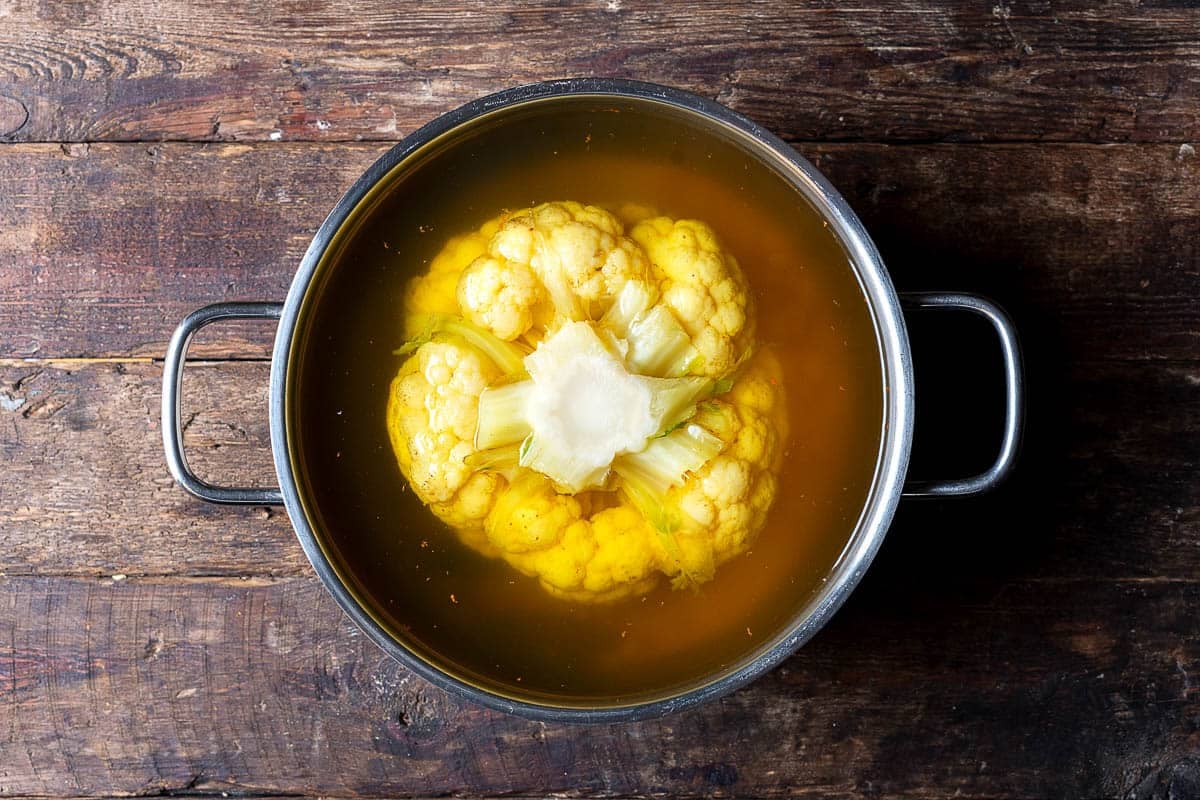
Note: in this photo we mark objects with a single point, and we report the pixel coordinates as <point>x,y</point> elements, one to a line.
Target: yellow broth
<point>480,618</point>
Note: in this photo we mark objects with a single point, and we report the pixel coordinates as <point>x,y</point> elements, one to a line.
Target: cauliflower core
<point>583,408</point>
<point>588,405</point>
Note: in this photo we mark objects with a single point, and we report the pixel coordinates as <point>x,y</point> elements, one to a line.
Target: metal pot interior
<point>475,125</point>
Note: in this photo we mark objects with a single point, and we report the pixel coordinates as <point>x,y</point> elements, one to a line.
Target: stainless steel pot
<point>895,358</point>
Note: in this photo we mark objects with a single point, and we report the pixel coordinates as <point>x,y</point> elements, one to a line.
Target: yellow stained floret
<point>431,421</point>
<point>546,534</point>
<point>730,496</point>
<point>500,296</point>
<point>702,285</point>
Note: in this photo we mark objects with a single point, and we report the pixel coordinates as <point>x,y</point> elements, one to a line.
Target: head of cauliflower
<point>587,404</point>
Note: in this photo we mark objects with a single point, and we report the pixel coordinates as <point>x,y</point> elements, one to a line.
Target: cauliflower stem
<point>506,356</point>
<point>565,439</point>
<point>587,404</point>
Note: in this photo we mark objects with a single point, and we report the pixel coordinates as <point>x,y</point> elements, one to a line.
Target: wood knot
<point>153,648</point>
<point>13,115</point>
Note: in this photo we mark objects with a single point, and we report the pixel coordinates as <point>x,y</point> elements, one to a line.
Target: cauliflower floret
<point>432,409</point>
<point>520,270</point>
<point>665,313</point>
<point>579,253</point>
<point>626,557</point>
<point>702,285</point>
<point>730,495</point>
<point>531,516</point>
<point>545,534</point>
<point>500,296</point>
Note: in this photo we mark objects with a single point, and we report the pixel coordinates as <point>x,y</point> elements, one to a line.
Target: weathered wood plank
<point>104,248</point>
<point>262,686</point>
<point>85,487</point>
<point>917,70</point>
<point>1108,488</point>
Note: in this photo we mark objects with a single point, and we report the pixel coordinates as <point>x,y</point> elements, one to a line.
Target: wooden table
<point>158,156</point>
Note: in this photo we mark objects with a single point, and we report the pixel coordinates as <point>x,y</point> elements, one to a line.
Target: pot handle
<point>172,383</point>
<point>1014,395</point>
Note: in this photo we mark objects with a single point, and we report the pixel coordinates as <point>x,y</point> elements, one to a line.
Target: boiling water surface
<point>479,617</point>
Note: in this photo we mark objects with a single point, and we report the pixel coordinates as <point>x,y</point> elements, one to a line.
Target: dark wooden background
<point>157,156</point>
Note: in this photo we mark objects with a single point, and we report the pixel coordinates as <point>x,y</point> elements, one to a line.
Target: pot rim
<point>896,425</point>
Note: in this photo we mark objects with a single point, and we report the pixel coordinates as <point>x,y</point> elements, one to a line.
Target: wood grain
<point>915,70</point>
<point>106,247</point>
<point>111,507</point>
<point>262,687</point>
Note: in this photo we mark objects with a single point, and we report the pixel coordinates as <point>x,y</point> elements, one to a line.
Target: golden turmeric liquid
<point>479,617</point>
